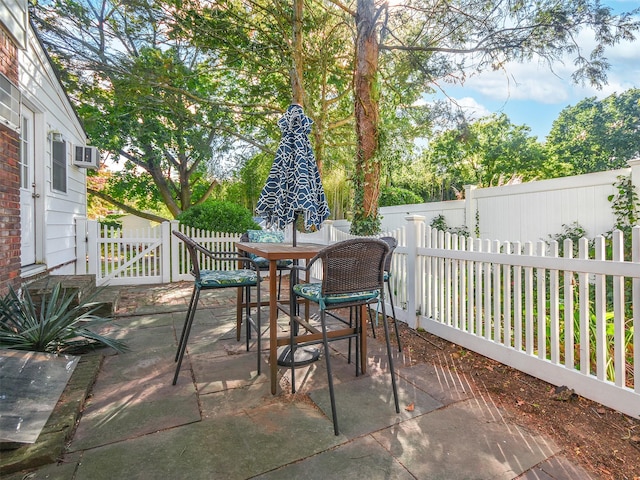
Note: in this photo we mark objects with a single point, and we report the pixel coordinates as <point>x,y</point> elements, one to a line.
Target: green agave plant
<point>54,326</point>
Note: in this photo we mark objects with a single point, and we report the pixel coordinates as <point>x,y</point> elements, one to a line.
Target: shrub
<point>390,196</point>
<point>219,216</point>
<point>53,326</point>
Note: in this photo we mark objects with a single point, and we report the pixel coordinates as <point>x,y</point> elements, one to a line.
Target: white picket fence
<point>565,320</point>
<point>562,319</point>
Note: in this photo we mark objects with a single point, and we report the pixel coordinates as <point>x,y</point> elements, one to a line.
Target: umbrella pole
<point>295,221</point>
<point>304,355</point>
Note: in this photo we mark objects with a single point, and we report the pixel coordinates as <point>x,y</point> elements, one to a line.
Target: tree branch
<point>126,208</point>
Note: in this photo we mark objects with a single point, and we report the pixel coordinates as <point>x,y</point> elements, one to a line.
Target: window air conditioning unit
<point>86,157</point>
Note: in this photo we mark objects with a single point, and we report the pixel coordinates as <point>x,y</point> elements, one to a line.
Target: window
<point>24,154</point>
<point>59,165</point>
<point>9,103</point>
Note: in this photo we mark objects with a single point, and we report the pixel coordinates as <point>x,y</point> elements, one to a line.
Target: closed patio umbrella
<point>294,186</point>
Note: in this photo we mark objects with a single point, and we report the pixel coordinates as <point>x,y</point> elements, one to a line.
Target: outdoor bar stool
<point>214,279</point>
<point>352,276</point>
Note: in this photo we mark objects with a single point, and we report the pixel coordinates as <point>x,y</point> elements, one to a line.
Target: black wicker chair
<point>352,276</point>
<point>214,279</point>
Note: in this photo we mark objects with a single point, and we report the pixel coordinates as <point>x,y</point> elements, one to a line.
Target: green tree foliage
<point>491,151</point>
<point>150,98</point>
<point>219,216</point>
<point>597,135</point>
<point>181,91</point>
<point>448,41</point>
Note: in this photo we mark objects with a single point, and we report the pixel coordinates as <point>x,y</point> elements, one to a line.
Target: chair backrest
<point>353,266</point>
<point>192,247</point>
<point>393,243</point>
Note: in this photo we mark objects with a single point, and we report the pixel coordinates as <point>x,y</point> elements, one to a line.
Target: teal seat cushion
<point>264,263</point>
<point>266,236</point>
<point>312,291</point>
<point>227,278</point>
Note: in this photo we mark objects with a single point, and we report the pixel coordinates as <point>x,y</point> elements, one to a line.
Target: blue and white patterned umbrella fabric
<point>294,183</point>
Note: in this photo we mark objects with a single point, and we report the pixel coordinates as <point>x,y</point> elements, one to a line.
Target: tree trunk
<point>366,111</point>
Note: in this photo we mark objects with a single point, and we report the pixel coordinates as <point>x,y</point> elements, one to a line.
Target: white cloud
<point>471,108</point>
<point>520,82</point>
<point>536,81</point>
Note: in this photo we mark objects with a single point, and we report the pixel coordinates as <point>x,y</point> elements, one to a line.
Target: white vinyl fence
<point>525,212</point>
<point>569,321</point>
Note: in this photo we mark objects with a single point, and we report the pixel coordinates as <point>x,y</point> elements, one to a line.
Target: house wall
<point>9,179</point>
<point>13,19</point>
<point>56,212</point>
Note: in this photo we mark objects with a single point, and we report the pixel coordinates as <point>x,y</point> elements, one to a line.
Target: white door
<point>27,190</point>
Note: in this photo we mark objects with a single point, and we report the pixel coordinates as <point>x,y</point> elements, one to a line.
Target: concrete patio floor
<point>221,422</point>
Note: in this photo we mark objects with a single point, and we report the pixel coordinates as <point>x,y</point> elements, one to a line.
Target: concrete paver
<point>221,422</point>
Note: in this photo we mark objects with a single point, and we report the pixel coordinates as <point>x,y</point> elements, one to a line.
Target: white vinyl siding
<point>13,16</point>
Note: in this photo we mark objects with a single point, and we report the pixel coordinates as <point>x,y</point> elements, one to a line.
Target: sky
<point>531,94</point>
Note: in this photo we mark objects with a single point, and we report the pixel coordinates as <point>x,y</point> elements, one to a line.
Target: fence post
<point>634,163</point>
<point>327,229</point>
<point>93,252</point>
<point>414,307</point>
<point>173,251</point>
<point>81,246</point>
<point>470,207</point>
<point>165,233</point>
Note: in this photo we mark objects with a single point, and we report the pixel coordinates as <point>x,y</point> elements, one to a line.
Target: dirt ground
<point>605,442</point>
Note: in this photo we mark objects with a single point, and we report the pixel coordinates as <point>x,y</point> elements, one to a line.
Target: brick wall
<point>9,181</point>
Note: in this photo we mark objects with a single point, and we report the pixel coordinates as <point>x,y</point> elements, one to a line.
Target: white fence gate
<point>125,257</point>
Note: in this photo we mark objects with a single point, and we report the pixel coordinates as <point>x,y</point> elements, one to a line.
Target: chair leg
<point>390,357</point>
<point>373,327</point>
<point>350,339</point>
<point>292,355</point>
<point>395,319</point>
<point>185,334</point>
<point>327,355</point>
<point>247,313</point>
<point>259,325</point>
<point>239,303</point>
<point>186,320</point>
<point>359,332</point>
